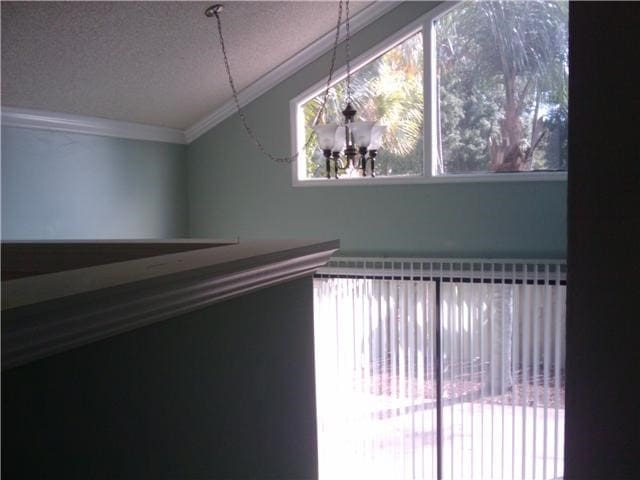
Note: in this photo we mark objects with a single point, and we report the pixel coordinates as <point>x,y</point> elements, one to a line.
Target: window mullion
<point>429,98</point>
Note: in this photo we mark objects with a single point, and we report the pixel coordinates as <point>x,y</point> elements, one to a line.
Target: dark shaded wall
<point>224,392</point>
<point>602,420</point>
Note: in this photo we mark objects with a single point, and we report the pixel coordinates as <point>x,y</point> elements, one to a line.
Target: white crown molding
<point>27,118</point>
<point>288,68</point>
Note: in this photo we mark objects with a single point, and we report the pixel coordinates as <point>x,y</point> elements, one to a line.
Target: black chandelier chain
<point>348,52</point>
<point>215,11</point>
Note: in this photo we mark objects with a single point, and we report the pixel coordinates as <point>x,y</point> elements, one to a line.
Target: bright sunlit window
<point>390,89</point>
<point>493,79</point>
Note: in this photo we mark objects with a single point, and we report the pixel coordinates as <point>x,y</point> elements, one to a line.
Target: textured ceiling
<point>157,63</point>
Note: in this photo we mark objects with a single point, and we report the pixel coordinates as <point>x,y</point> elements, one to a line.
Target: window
<point>493,78</point>
<point>501,81</point>
<point>390,89</point>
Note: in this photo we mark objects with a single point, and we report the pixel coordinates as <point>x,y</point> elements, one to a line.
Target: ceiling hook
<point>214,10</point>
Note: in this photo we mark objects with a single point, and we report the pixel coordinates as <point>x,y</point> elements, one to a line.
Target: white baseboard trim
<point>27,118</point>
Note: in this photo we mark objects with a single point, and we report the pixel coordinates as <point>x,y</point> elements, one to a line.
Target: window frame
<point>423,23</point>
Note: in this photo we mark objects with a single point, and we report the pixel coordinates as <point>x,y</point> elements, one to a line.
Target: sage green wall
<point>68,185</point>
<point>233,190</point>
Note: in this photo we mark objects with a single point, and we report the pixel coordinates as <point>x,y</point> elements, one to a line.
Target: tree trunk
<point>500,374</point>
<point>508,154</point>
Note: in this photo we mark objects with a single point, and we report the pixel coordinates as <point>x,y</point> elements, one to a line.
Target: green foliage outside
<point>502,81</point>
<point>502,77</point>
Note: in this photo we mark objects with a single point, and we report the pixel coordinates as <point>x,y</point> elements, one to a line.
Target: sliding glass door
<point>440,369</point>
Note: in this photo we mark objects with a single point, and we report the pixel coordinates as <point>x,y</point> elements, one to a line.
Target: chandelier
<point>360,139</point>
<point>351,146</point>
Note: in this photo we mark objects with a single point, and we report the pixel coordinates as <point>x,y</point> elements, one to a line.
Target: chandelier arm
<point>286,159</point>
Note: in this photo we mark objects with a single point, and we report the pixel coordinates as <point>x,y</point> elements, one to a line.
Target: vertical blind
<point>440,369</point>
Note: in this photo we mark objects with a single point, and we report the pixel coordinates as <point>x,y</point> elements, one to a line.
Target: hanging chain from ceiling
<point>215,11</point>
<point>348,51</point>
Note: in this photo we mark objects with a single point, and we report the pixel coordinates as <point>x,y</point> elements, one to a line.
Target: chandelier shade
<point>377,134</point>
<point>326,136</point>
<point>362,133</point>
<point>340,139</point>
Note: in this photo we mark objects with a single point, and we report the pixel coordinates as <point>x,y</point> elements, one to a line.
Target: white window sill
<point>416,179</point>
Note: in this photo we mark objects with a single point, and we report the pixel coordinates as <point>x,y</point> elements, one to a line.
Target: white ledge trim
<point>35,331</point>
<point>64,122</point>
<point>288,68</point>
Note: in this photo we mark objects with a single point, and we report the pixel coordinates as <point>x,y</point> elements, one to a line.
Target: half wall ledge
<point>65,294</point>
